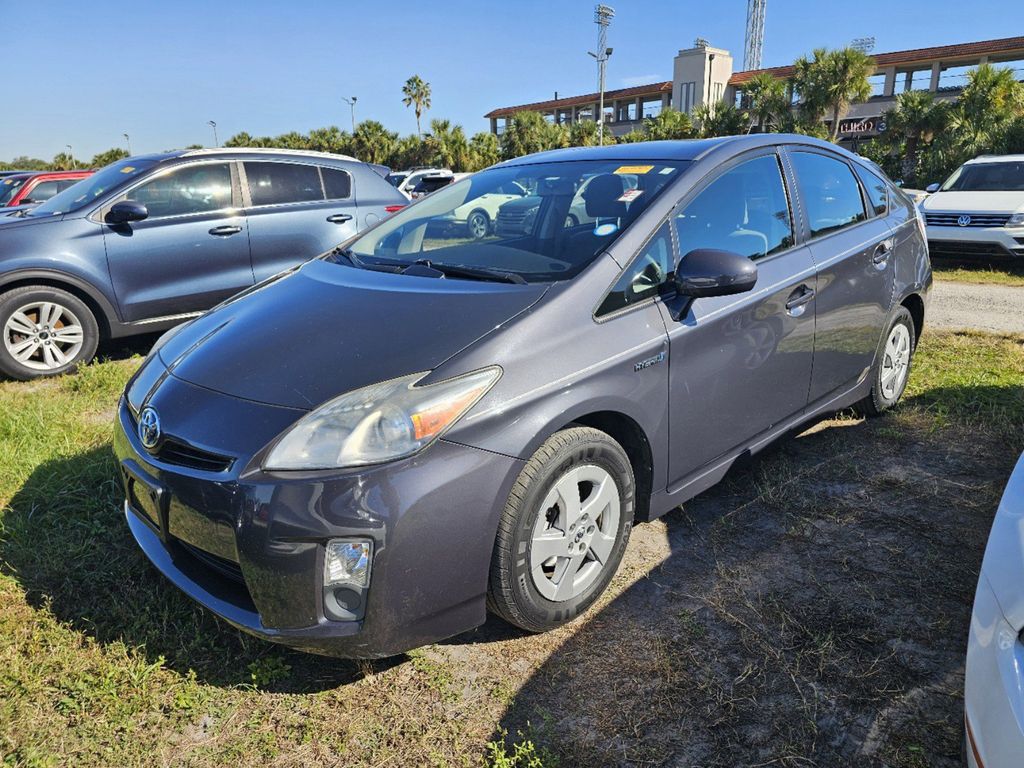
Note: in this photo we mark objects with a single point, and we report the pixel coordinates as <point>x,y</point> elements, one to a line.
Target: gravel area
<point>997,308</point>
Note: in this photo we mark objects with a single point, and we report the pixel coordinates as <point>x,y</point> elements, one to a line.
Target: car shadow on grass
<point>812,609</point>
<point>64,539</point>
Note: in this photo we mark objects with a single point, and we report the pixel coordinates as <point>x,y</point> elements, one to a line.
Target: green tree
<point>25,163</point>
<point>829,81</point>
<point>330,139</point>
<point>529,132</point>
<point>668,124</point>
<point>409,152</point>
<point>720,120</point>
<point>634,136</point>
<point>449,145</point>
<point>416,94</point>
<point>768,103</point>
<point>911,124</point>
<point>242,139</point>
<point>64,162</point>
<point>372,142</point>
<point>106,158</point>
<point>583,133</point>
<point>484,151</point>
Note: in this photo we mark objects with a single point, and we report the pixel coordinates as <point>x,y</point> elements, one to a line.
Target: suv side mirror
<point>932,188</point>
<point>125,211</point>
<point>711,272</point>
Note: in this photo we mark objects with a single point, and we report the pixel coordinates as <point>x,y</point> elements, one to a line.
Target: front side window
<point>189,189</point>
<point>42,191</point>
<point>878,191</point>
<point>829,192</point>
<point>986,177</point>
<point>643,278</point>
<point>281,183</point>
<point>745,210</point>
<point>548,220</point>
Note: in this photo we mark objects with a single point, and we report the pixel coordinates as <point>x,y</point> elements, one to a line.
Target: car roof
<point>680,150</point>
<point>266,152</point>
<point>996,159</point>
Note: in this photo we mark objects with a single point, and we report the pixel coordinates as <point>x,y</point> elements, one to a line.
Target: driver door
<point>740,364</point>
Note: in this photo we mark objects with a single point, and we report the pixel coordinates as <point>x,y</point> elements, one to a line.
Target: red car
<point>36,187</point>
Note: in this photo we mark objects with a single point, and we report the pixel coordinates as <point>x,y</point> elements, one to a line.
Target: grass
<point>995,273</point>
<point>812,609</point>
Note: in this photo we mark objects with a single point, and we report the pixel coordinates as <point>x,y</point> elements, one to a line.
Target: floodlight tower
<point>863,44</point>
<point>755,34</point>
<point>603,16</point>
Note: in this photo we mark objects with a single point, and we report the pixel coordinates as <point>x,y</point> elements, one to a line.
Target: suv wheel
<point>564,530</point>
<point>46,331</point>
<point>892,368</point>
<point>478,224</point>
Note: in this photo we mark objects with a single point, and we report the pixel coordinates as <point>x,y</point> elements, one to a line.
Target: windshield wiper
<point>473,273</point>
<point>348,255</point>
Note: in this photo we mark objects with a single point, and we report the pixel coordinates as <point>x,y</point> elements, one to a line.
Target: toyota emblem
<point>149,427</point>
<point>964,221</point>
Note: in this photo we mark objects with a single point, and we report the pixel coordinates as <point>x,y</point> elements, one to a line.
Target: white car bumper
<point>994,686</point>
<point>975,242</point>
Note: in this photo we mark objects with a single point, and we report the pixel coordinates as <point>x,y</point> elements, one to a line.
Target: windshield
<point>92,187</point>
<point>538,222</point>
<point>9,186</point>
<point>986,177</point>
<point>396,179</point>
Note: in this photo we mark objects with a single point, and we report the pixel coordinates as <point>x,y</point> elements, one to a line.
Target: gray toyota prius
<point>368,452</point>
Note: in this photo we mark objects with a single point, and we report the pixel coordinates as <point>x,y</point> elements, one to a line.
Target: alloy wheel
<point>574,536</point>
<point>43,335</point>
<point>896,362</point>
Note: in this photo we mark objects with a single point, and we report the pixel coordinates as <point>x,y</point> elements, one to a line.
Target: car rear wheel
<point>563,531</point>
<point>892,368</point>
<point>478,224</point>
<point>46,332</point>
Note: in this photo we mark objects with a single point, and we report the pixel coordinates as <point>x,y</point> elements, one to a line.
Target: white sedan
<point>994,683</point>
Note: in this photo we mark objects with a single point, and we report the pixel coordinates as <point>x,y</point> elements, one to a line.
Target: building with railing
<point>705,74</point>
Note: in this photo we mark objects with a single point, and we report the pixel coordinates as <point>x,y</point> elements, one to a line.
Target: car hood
<point>301,339</point>
<point>974,202</point>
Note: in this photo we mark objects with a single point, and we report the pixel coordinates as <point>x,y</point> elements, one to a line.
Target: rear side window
<point>830,192</point>
<point>878,191</point>
<point>745,210</point>
<point>280,183</point>
<point>189,189</point>
<point>337,184</point>
<point>644,277</point>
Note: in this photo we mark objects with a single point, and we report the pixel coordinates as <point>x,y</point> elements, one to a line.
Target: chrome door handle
<point>339,218</point>
<point>799,299</point>
<point>228,229</point>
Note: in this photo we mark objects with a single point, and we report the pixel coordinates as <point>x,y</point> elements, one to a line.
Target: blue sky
<point>84,73</point>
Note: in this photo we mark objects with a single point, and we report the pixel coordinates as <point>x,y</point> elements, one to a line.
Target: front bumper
<point>249,545</point>
<point>993,685</point>
<point>975,242</point>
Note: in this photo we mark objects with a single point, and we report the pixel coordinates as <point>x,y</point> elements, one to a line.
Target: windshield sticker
<point>634,169</point>
<point>666,171</point>
<point>128,169</point>
<point>7,181</point>
<point>603,230</point>
<point>630,195</point>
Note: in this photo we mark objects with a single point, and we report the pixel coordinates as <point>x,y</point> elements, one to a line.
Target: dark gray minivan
<point>366,453</point>
<point>150,241</point>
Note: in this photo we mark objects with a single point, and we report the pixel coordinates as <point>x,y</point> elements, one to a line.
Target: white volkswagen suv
<point>978,212</point>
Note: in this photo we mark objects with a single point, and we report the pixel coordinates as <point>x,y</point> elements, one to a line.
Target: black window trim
<point>858,169</point>
<point>248,205</point>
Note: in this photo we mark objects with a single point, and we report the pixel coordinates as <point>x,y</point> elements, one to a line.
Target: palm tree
<point>372,142</point>
<point>668,124</point>
<point>915,119</point>
<point>830,80</point>
<point>417,95</point>
<point>768,101</point>
<point>484,151</point>
<point>529,132</point>
<point>104,159</point>
<point>449,144</point>
<point>720,120</point>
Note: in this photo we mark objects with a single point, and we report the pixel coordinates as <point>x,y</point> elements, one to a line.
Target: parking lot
<point>812,609</point>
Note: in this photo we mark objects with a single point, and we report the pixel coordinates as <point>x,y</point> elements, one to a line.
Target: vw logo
<point>963,221</point>
<point>149,427</point>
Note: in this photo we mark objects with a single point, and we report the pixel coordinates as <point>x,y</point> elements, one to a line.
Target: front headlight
<point>1016,220</point>
<point>378,423</point>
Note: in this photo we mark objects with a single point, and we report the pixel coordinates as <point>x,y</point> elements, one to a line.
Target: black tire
<point>42,363</point>
<point>878,400</point>
<point>512,593</point>
<point>478,224</point>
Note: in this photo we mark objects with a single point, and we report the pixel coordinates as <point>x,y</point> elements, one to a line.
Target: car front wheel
<point>46,332</point>
<point>563,531</point>
<point>478,224</point>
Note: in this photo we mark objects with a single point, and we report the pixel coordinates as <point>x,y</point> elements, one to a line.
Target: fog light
<point>348,562</point>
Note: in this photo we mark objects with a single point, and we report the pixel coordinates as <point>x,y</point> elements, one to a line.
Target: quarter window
<point>829,192</point>
<point>337,184</point>
<point>279,183</point>
<point>644,277</point>
<point>877,191</point>
<point>745,210</point>
<point>190,189</point>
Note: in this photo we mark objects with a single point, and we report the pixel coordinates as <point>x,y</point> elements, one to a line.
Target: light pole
<point>603,16</point>
<point>128,141</point>
<point>352,108</point>
<point>213,124</point>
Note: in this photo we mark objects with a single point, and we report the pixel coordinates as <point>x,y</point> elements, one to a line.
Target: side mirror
<point>711,272</point>
<point>125,211</point>
<point>932,188</point>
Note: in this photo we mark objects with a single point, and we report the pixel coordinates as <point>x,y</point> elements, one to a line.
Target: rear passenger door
<point>852,245</point>
<point>295,212</point>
